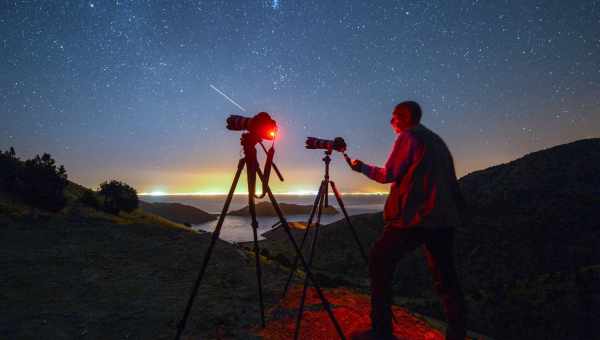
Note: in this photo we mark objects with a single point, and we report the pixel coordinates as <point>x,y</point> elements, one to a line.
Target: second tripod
<point>320,201</point>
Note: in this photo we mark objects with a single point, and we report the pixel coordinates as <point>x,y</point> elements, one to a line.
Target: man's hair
<point>410,107</point>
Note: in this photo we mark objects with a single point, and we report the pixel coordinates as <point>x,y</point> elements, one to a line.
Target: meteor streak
<point>227,97</point>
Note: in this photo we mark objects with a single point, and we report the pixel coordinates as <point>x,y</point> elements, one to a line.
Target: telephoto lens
<point>337,144</point>
<point>261,125</point>
<point>237,123</point>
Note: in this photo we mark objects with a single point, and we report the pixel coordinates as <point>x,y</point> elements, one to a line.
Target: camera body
<point>261,125</point>
<point>337,144</point>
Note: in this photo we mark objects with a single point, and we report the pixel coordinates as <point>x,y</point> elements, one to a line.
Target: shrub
<point>118,196</point>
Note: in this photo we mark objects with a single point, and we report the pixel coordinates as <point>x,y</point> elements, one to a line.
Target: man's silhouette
<point>422,209</point>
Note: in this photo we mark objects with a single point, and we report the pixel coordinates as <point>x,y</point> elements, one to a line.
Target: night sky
<point>122,89</point>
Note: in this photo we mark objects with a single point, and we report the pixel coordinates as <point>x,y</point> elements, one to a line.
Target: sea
<point>238,228</point>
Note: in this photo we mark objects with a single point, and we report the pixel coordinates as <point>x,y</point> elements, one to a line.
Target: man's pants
<point>437,246</point>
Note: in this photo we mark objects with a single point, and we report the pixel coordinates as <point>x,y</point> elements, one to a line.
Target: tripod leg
<point>252,209</point>
<point>310,219</point>
<point>326,194</point>
<point>286,227</point>
<point>341,204</point>
<point>215,236</point>
<point>310,260</point>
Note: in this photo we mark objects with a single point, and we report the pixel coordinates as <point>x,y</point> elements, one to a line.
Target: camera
<point>261,125</point>
<point>337,144</point>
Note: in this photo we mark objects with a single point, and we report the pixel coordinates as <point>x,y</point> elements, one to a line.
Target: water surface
<point>238,228</point>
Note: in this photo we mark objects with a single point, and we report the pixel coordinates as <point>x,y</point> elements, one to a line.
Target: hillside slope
<point>84,273</point>
<point>70,276</point>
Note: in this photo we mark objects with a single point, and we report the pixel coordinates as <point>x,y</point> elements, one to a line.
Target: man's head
<point>406,114</point>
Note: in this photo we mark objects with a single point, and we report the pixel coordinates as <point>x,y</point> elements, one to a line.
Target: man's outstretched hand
<point>355,164</point>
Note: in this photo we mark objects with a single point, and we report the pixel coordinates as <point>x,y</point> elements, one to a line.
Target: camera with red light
<point>338,144</point>
<point>261,125</point>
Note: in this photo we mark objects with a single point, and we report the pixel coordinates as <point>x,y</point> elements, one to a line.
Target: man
<point>422,209</point>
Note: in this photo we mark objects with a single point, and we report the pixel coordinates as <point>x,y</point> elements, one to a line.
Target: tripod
<point>249,141</point>
<point>320,200</point>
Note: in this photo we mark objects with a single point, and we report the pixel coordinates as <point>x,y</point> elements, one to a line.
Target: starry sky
<point>122,89</point>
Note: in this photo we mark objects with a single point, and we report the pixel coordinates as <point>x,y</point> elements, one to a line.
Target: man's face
<point>397,124</point>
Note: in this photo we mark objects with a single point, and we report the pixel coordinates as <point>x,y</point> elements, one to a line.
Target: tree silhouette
<point>9,167</point>
<point>118,196</point>
<point>42,183</point>
<point>37,181</point>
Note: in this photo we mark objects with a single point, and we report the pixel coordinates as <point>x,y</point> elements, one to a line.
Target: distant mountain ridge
<point>177,212</point>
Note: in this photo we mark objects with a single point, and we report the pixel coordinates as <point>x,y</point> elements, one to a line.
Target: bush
<point>118,196</point>
<point>38,181</point>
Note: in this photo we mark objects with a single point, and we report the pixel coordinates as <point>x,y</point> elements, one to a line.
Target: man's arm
<point>398,162</point>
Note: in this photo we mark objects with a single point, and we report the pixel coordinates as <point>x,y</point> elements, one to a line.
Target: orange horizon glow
<point>213,182</point>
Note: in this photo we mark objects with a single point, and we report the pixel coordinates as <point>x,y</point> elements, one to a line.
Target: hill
<point>178,212</point>
<point>528,258</point>
<point>84,273</point>
<point>266,209</point>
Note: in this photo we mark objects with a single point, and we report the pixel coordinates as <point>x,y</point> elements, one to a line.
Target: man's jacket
<point>424,190</point>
